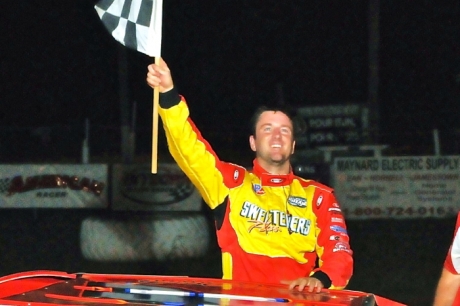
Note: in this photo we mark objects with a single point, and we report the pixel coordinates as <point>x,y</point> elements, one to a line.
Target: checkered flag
<point>5,184</point>
<point>134,23</point>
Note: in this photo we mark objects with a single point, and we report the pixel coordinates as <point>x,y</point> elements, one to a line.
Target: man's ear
<point>252,143</point>
<point>293,146</point>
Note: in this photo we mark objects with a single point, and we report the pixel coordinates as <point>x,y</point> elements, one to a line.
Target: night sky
<point>60,66</point>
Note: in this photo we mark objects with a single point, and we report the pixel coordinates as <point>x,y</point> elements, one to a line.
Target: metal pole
<point>124,104</point>
<point>373,77</point>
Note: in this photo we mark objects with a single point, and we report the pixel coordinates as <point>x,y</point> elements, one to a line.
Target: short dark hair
<point>289,112</point>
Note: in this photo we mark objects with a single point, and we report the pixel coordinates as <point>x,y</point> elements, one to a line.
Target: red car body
<point>48,288</point>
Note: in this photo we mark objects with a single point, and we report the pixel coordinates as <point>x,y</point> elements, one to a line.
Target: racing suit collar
<point>268,179</point>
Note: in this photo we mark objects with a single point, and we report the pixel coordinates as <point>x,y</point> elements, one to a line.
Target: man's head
<point>272,138</point>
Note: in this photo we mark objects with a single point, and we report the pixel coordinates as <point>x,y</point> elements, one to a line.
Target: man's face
<point>273,141</point>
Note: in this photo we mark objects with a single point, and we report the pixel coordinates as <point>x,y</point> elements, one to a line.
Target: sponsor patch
<point>297,201</point>
<point>336,238</point>
<point>338,229</point>
<point>236,175</point>
<point>342,246</point>
<point>335,209</point>
<point>337,220</point>
<point>258,189</point>
<point>277,180</point>
<point>319,201</point>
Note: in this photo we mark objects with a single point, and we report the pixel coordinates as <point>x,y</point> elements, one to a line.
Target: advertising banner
<point>398,187</point>
<point>134,187</point>
<point>53,186</point>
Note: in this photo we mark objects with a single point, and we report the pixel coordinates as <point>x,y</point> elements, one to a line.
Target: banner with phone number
<point>397,187</point>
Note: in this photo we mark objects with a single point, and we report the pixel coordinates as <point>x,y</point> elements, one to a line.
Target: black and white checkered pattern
<point>181,191</point>
<point>134,23</point>
<point>5,184</point>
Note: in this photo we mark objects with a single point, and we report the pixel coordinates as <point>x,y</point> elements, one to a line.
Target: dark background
<point>59,67</point>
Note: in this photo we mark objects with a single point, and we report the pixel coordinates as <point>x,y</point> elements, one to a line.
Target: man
<point>271,225</point>
<point>448,290</point>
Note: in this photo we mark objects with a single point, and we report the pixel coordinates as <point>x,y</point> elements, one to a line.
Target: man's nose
<point>277,133</point>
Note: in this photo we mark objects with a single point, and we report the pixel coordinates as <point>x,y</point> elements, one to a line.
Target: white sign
<point>53,186</point>
<point>398,187</point>
<point>136,188</point>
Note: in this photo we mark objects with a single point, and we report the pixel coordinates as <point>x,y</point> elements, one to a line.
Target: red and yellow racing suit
<point>269,227</point>
<point>452,261</point>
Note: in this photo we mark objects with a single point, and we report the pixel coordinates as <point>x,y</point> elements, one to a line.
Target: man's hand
<point>312,284</point>
<point>160,76</point>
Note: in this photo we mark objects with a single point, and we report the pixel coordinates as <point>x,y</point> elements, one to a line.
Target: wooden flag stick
<point>156,97</point>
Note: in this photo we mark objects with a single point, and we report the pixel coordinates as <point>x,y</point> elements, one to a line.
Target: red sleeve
<point>450,264</point>
<point>333,248</point>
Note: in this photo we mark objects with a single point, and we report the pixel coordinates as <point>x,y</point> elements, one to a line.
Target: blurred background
<point>389,69</point>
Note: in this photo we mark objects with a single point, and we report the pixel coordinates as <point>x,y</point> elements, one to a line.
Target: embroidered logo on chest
<point>297,201</point>
<point>258,189</point>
